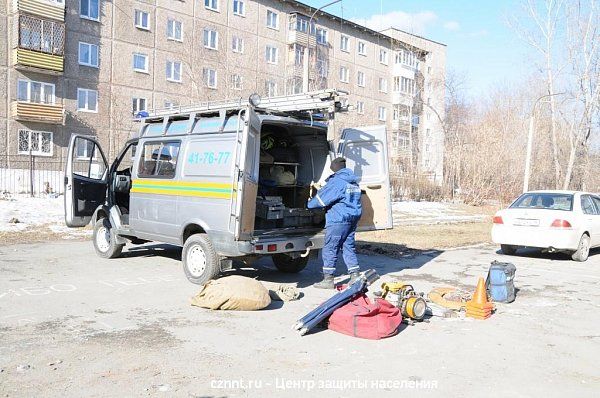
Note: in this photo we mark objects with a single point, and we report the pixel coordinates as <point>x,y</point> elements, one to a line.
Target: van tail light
<point>272,248</point>
<point>497,220</point>
<point>558,223</point>
<point>258,247</point>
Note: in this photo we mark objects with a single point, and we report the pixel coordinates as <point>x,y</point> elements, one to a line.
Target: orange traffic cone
<point>479,307</point>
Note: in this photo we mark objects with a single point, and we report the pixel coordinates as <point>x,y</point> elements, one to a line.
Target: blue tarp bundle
<point>323,311</point>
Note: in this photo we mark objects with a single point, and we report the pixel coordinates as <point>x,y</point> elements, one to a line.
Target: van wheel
<point>105,240</point>
<point>289,265</point>
<point>200,260</point>
<point>583,250</point>
<point>509,250</point>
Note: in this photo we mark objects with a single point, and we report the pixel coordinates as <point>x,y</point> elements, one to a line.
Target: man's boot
<point>326,283</point>
<point>354,277</point>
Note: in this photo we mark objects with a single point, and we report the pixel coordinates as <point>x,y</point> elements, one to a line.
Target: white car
<point>566,221</point>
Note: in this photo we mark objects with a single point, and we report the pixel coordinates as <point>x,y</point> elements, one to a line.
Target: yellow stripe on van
<point>180,188</point>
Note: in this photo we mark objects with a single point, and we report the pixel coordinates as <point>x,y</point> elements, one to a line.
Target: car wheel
<point>509,250</point>
<point>583,250</point>
<point>200,260</point>
<point>105,240</point>
<point>289,265</point>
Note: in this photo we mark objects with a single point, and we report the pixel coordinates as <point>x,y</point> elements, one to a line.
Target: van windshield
<point>546,200</point>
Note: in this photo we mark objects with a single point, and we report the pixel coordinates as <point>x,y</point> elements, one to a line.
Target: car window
<point>587,206</point>
<point>545,200</point>
<point>597,202</point>
<point>159,159</point>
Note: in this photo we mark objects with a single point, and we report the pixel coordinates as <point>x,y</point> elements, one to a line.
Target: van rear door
<point>365,150</point>
<point>246,175</point>
<point>86,176</point>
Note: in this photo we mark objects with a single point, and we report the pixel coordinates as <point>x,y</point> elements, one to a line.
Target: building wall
<point>117,83</point>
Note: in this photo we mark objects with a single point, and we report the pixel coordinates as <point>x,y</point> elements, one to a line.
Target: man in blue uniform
<point>341,197</point>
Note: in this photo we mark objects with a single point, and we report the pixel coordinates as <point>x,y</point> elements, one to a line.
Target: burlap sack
<point>233,293</point>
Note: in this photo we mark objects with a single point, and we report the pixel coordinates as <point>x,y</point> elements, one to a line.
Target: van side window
<point>159,159</point>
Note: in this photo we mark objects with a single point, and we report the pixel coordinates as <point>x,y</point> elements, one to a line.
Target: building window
<point>237,45</point>
<point>299,54</point>
<point>429,70</point>
<point>383,85</point>
<point>38,92</point>
<point>272,20</point>
<point>383,56</point>
<point>142,20</point>
<point>174,30</point>
<point>395,113</point>
<point>88,54</point>
<point>345,43</point>
<point>361,79</point>
<point>174,71</point>
<point>362,48</point>
<point>171,104</point>
<point>210,77</point>
<point>89,9</point>
<point>212,4</point>
<point>211,38</point>
<point>301,25</point>
<point>271,54</point>
<point>35,143</point>
<point>138,105</point>
<point>236,82</point>
<point>360,107</point>
<point>159,159</point>
<point>344,74</point>
<point>294,85</point>
<point>382,113</point>
<point>87,100</point>
<point>322,67</point>
<point>239,7</point>
<point>404,85</point>
<point>271,88</point>
<point>321,36</point>
<point>140,62</point>
<point>41,35</point>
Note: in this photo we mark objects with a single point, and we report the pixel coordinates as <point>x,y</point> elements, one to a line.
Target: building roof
<point>311,9</point>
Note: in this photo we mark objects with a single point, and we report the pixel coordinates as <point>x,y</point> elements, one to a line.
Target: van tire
<point>289,265</point>
<point>105,241</point>
<point>509,250</point>
<point>583,250</point>
<point>199,258</point>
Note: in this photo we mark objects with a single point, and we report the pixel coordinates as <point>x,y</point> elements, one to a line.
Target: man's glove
<point>314,187</point>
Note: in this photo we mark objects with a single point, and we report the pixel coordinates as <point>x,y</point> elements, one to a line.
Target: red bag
<point>367,320</point>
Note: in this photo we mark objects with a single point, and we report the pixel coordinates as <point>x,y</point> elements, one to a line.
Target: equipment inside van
<point>226,180</point>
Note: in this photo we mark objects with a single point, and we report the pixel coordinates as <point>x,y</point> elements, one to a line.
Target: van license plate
<point>524,222</point>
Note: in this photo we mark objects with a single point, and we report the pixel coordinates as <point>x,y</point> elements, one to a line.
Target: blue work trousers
<point>340,237</point>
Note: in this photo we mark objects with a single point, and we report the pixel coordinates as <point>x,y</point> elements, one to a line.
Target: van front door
<point>86,179</point>
<point>365,150</point>
<point>246,175</point>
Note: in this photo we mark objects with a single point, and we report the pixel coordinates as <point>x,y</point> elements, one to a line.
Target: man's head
<point>337,164</point>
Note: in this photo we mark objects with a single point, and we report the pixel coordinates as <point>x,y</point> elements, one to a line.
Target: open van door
<point>246,172</point>
<point>365,150</point>
<point>86,175</point>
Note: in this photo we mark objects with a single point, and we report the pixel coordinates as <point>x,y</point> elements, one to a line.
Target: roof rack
<point>321,101</point>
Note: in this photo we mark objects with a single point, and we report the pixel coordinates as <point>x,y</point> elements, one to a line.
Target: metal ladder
<point>328,100</point>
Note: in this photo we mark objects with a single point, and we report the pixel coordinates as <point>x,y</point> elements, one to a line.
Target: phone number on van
<point>209,157</point>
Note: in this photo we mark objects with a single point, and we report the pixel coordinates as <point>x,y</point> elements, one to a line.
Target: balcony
<point>44,8</point>
<point>38,112</point>
<point>303,38</point>
<point>40,45</point>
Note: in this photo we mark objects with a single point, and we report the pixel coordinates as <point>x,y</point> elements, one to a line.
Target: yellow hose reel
<point>411,304</point>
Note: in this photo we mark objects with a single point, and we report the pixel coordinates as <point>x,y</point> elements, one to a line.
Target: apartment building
<point>88,66</point>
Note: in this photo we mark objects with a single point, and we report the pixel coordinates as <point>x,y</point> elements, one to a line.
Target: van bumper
<point>287,243</point>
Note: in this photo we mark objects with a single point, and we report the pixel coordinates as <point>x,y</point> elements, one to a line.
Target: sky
<point>481,43</point>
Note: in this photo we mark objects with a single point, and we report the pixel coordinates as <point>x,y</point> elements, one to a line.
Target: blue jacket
<point>340,196</point>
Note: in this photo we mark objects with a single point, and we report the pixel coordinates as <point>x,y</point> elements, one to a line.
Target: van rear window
<point>545,200</point>
<point>159,159</point>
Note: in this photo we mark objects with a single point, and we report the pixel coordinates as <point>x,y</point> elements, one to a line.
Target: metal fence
<point>33,175</point>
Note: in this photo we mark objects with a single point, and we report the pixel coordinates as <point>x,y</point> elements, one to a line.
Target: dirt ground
<point>73,325</point>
